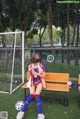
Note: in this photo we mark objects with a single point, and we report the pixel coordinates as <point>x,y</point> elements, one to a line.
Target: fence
<point>65,59</point>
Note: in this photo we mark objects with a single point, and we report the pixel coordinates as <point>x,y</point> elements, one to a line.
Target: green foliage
<point>29,35</point>
<point>34,31</point>
<point>21,14</point>
<point>56,36</point>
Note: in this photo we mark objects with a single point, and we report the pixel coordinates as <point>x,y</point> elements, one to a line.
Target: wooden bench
<point>55,82</point>
<point>79,82</point>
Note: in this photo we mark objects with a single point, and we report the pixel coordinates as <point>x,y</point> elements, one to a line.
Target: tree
<point>68,35</point>
<point>50,22</point>
<point>77,39</point>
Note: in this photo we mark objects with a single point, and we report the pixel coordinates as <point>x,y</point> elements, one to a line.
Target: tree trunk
<point>74,31</point>
<point>24,24</point>
<point>50,24</point>
<point>77,40</point>
<point>41,35</point>
<point>74,28</point>
<point>63,42</point>
<point>68,35</point>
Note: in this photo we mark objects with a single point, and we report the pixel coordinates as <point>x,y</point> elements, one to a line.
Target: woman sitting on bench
<point>36,75</point>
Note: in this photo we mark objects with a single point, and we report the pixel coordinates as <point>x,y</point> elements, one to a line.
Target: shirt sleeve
<point>42,67</point>
<point>29,68</point>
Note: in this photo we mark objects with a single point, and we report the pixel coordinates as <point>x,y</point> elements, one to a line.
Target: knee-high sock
<point>27,102</point>
<point>39,104</point>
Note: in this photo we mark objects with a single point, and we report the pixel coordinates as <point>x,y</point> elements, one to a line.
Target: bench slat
<point>79,79</point>
<point>24,85</point>
<point>53,87</point>
<point>57,87</point>
<point>57,77</point>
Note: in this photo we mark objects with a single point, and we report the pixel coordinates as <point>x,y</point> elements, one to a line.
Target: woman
<point>36,75</point>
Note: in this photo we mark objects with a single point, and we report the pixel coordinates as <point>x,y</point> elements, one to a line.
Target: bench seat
<point>53,87</point>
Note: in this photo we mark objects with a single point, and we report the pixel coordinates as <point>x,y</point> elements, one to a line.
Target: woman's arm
<point>42,76</point>
<point>43,82</point>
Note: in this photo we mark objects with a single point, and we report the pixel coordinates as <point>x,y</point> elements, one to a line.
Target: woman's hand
<point>44,85</point>
<point>34,73</point>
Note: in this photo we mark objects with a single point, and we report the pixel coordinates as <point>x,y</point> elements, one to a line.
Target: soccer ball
<point>19,105</point>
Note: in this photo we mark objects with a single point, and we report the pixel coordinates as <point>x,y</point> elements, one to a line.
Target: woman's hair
<point>35,58</point>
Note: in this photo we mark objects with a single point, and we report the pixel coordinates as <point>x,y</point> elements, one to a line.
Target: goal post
<point>11,61</point>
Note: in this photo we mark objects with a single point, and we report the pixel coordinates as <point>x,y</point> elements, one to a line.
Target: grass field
<point>52,108</point>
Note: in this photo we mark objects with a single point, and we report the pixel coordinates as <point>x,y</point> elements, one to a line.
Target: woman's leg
<point>37,98</point>
<point>38,101</point>
<point>29,99</point>
<point>27,102</point>
<point>20,115</point>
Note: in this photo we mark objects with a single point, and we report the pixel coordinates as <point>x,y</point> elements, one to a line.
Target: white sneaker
<point>41,116</point>
<point>20,115</point>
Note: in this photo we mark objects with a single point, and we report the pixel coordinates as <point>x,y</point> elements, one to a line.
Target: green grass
<point>52,108</point>
<point>5,81</point>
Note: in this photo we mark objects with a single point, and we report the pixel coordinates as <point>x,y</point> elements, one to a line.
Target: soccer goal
<point>11,61</point>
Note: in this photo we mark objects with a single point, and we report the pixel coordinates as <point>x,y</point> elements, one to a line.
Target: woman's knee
<point>32,95</point>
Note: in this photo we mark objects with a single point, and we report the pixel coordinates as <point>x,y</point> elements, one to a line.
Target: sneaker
<point>20,115</point>
<point>41,116</point>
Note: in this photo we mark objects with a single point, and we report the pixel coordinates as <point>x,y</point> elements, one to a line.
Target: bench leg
<point>65,99</point>
<point>79,99</point>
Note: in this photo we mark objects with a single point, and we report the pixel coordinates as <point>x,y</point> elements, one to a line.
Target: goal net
<point>11,61</point>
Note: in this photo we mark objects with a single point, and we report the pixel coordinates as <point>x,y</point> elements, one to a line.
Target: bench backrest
<point>55,77</point>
